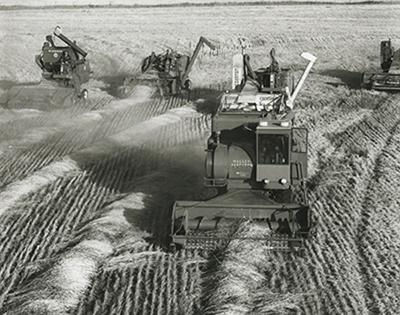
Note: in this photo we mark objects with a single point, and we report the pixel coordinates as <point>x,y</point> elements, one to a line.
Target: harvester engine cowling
<point>257,160</point>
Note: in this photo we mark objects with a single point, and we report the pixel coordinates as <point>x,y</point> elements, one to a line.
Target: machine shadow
<point>7,84</point>
<point>351,79</point>
<point>113,84</point>
<point>162,176</point>
<point>206,100</point>
<point>178,181</point>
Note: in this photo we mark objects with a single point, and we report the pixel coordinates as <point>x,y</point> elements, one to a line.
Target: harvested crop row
<point>330,269</point>
<point>146,280</point>
<point>285,297</point>
<point>12,129</point>
<point>44,220</point>
<point>57,286</point>
<point>325,114</point>
<point>235,279</point>
<point>331,260</point>
<point>17,165</point>
<point>68,202</point>
<point>104,149</point>
<point>378,236</point>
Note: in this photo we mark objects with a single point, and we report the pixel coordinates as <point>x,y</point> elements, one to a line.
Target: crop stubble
<point>354,168</point>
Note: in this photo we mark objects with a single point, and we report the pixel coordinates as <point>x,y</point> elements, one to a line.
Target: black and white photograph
<point>199,157</point>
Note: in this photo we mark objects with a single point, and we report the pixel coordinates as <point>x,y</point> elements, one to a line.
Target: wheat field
<point>86,190</point>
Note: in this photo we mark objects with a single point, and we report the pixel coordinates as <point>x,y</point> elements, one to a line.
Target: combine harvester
<point>389,78</point>
<point>256,160</point>
<point>168,71</point>
<point>64,70</point>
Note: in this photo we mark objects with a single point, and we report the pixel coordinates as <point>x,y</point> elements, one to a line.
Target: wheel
<point>187,85</point>
<point>222,190</point>
<point>84,94</point>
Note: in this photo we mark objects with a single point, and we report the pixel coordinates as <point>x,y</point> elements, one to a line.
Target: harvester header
<point>389,78</point>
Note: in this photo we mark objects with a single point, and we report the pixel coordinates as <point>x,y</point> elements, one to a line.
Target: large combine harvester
<point>64,71</point>
<point>257,161</point>
<point>389,78</point>
<point>65,65</point>
<point>168,71</point>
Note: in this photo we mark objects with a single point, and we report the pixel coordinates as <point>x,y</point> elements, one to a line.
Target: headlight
<point>284,124</point>
<point>283,181</point>
<point>266,181</point>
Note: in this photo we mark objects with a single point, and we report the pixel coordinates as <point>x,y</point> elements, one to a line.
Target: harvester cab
<point>170,70</point>
<point>66,65</point>
<point>257,161</point>
<point>389,78</point>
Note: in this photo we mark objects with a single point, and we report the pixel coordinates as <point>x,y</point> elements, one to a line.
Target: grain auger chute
<point>257,161</point>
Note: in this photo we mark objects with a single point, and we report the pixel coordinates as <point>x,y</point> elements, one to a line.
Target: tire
<point>84,94</point>
<point>187,85</point>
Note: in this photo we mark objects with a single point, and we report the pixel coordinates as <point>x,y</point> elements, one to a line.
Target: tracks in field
<point>64,203</point>
<point>322,282</point>
<point>377,241</point>
<point>364,144</point>
<point>10,130</point>
<point>152,282</point>
<point>76,135</point>
<point>328,279</point>
<point>374,141</point>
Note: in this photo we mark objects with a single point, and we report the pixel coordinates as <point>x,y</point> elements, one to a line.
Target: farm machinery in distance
<point>66,65</point>
<point>169,71</point>
<point>64,70</point>
<point>256,160</point>
<point>389,78</point>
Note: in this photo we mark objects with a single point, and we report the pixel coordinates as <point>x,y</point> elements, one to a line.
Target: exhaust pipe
<point>311,60</point>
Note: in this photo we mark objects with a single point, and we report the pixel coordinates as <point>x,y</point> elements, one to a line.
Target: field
<point>69,3</point>
<point>86,190</point>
